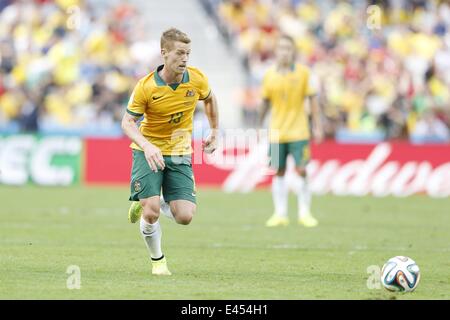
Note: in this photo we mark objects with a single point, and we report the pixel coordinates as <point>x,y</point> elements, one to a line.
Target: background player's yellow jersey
<point>286,93</point>
<point>168,110</point>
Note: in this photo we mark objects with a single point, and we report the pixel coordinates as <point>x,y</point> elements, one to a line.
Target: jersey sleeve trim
<point>134,113</point>
<point>207,96</point>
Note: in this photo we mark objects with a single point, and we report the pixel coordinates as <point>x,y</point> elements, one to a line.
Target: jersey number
<point>176,117</point>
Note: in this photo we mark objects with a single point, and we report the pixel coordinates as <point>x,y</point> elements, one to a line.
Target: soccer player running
<point>166,98</point>
<point>284,89</point>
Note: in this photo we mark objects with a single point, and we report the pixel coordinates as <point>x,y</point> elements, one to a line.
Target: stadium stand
<point>58,81</point>
<point>375,82</point>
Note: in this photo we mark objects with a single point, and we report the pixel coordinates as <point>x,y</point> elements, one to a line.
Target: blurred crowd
<point>69,65</point>
<point>382,68</point>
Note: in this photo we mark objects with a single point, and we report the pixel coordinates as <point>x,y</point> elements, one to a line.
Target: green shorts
<point>176,180</point>
<point>278,153</point>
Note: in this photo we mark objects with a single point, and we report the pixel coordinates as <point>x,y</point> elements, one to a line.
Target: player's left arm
<point>212,113</point>
<point>311,89</point>
<point>316,117</point>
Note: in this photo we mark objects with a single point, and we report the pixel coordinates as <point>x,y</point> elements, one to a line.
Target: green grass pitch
<point>226,253</point>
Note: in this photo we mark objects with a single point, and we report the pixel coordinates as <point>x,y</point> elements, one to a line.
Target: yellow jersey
<point>168,109</point>
<point>286,93</point>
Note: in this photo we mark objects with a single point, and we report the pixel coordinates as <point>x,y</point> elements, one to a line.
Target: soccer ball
<point>400,274</point>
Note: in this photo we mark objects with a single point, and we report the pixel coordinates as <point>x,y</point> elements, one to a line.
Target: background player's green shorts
<point>278,153</point>
<point>176,180</point>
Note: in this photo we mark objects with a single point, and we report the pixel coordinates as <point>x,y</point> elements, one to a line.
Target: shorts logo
<point>306,153</point>
<point>137,186</point>
<point>194,187</point>
<point>190,93</point>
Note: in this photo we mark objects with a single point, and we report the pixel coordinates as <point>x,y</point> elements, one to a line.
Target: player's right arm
<point>266,95</point>
<point>264,110</point>
<point>135,109</point>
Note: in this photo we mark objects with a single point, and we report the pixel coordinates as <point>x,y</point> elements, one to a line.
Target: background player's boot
<point>135,211</point>
<point>308,221</point>
<point>164,208</point>
<point>277,221</point>
<point>159,267</point>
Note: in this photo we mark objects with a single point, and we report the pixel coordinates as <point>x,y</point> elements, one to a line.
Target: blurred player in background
<point>284,89</point>
<point>162,143</point>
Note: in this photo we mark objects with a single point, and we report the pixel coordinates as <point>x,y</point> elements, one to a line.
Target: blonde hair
<point>171,35</point>
<point>287,37</point>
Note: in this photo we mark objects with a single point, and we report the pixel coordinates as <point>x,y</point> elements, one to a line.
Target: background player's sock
<point>152,236</point>
<point>165,209</point>
<point>280,195</point>
<point>303,196</point>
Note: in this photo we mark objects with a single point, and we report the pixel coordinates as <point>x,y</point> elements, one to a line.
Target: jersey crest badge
<point>190,93</point>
